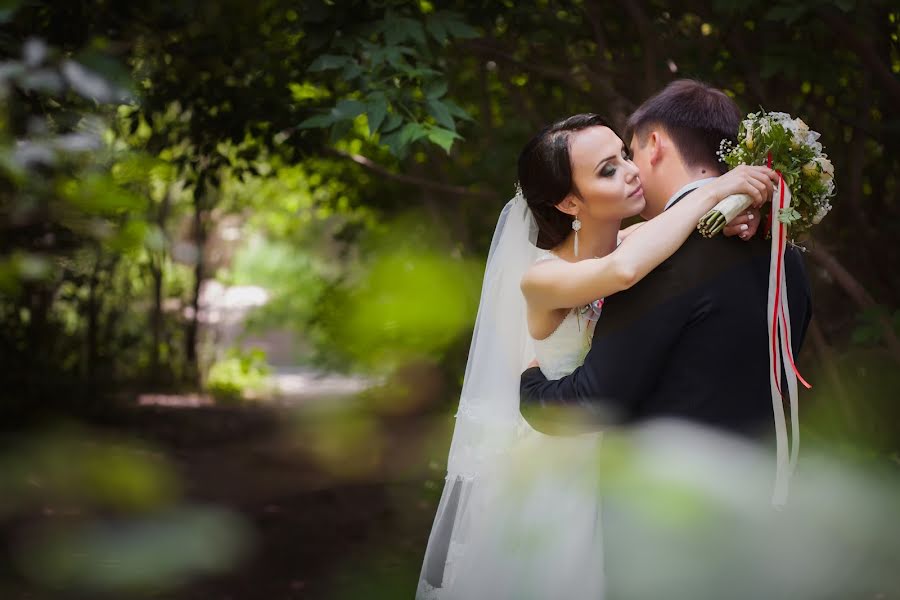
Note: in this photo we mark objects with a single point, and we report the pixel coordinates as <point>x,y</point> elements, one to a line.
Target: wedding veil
<point>488,421</point>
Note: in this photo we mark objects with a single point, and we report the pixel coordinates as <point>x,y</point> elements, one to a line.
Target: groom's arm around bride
<point>688,341</point>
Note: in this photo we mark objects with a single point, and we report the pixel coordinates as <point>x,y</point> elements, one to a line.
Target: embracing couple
<point>611,327</point>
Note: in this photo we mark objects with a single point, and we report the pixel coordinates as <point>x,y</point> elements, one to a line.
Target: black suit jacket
<point>689,341</point>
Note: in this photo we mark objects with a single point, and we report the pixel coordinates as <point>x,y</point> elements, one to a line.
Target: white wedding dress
<point>533,531</point>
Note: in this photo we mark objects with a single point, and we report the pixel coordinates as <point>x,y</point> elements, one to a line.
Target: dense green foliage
<point>350,158</point>
<point>362,151</point>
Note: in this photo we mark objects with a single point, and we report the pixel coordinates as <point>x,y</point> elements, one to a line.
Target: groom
<point>690,340</point>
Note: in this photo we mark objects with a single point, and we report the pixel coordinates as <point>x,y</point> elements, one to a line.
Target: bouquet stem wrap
<point>723,213</point>
<point>780,354</point>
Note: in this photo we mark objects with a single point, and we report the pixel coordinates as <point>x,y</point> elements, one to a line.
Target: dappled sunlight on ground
<point>299,383</point>
<point>175,400</point>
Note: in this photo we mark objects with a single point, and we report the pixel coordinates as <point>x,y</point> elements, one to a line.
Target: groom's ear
<point>655,147</point>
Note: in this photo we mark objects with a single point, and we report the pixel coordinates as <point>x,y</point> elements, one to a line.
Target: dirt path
<point>341,502</point>
<point>318,535</point>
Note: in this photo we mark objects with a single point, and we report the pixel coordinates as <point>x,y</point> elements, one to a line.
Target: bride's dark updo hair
<point>545,175</point>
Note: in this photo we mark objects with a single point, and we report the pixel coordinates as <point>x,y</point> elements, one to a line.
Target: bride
<point>519,515</point>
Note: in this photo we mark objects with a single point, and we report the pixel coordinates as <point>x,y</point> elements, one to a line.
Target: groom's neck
<point>678,177</point>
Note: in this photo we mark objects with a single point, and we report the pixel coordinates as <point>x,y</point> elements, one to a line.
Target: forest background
<point>346,162</point>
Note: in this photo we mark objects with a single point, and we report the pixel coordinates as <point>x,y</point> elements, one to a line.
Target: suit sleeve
<point>634,335</point>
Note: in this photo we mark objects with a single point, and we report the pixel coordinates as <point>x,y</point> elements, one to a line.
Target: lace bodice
<point>564,350</point>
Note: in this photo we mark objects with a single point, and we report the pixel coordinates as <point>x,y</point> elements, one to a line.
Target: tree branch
<point>551,72</point>
<point>649,44</point>
<point>738,44</point>
<point>864,49</point>
<point>410,180</point>
<point>619,106</point>
<point>856,291</point>
<point>602,86</point>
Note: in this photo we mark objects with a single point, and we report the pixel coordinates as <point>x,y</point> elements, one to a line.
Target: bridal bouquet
<point>802,199</point>
<point>790,147</point>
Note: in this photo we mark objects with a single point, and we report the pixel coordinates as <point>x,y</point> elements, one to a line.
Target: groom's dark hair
<point>695,115</point>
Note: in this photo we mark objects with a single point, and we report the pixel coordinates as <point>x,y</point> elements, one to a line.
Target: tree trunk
<point>92,323</point>
<point>191,335</point>
<point>157,265</point>
<point>156,320</point>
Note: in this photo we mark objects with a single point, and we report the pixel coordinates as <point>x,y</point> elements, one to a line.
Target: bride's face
<point>606,181</point>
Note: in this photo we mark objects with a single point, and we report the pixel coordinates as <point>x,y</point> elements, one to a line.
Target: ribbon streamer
<point>780,353</point>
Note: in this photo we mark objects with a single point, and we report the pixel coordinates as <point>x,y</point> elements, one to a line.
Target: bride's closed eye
<point>608,170</point>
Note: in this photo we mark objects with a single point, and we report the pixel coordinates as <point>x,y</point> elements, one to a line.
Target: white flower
<point>825,163</point>
<point>826,168</point>
<point>782,118</point>
<point>820,214</point>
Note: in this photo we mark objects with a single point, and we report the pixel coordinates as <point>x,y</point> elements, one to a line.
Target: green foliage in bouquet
<point>796,154</point>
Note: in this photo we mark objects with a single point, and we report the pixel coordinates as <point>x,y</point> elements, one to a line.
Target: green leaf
<point>412,132</point>
<point>458,29</point>
<point>416,32</point>
<point>329,61</point>
<point>845,5</point>
<point>422,72</point>
<point>398,29</point>
<point>348,109</point>
<point>317,121</point>
<point>442,115</point>
<point>788,215</point>
<point>436,89</point>
<point>457,111</point>
<point>435,26</point>
<point>394,57</point>
<point>393,122</point>
<point>376,111</point>
<point>443,138</point>
<point>352,70</point>
<point>340,129</point>
<point>394,144</point>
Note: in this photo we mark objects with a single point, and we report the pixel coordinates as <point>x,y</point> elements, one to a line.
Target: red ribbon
<point>778,315</point>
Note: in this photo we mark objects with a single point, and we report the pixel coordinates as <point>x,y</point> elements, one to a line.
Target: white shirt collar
<point>690,187</point>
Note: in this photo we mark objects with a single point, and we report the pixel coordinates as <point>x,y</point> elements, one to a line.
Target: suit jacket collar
<point>687,189</point>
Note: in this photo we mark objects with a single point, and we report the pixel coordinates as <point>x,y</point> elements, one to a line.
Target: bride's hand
<point>756,182</point>
<point>744,225</point>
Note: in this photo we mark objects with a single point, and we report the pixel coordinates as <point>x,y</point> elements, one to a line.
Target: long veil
<point>488,422</point>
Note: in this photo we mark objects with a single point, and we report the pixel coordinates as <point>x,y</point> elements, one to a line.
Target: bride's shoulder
<point>534,275</point>
<point>543,255</point>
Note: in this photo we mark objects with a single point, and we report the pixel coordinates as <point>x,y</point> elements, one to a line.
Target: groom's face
<point>641,150</point>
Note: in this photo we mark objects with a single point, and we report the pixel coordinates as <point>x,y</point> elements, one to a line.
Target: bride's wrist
<point>710,198</point>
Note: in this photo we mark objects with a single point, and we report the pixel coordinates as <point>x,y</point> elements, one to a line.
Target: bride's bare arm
<point>624,233</point>
<point>556,284</point>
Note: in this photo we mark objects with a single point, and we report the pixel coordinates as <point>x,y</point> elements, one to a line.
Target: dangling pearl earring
<point>576,225</point>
